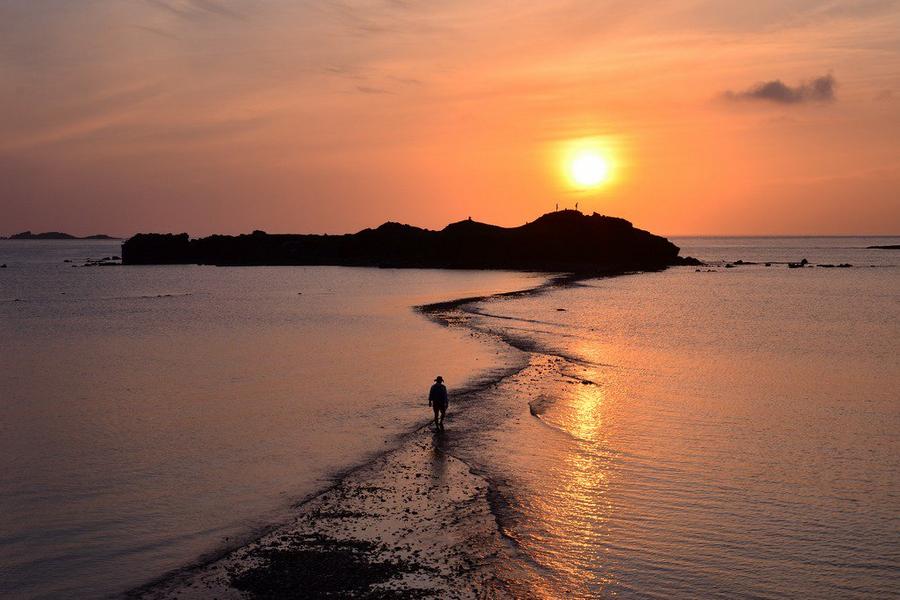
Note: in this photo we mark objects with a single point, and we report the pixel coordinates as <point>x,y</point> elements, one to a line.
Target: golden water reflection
<point>577,508</point>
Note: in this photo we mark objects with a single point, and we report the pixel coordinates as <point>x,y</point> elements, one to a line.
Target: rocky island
<point>565,240</point>
<point>57,235</point>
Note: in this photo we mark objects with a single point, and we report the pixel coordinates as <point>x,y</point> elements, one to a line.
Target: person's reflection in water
<point>438,401</point>
<point>439,457</point>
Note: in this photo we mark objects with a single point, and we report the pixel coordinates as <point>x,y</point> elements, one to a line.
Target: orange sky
<point>726,117</point>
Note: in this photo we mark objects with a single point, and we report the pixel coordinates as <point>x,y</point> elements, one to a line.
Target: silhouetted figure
<point>576,206</point>
<point>438,401</point>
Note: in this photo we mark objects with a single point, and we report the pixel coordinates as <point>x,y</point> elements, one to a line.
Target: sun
<point>589,168</point>
<point>588,164</point>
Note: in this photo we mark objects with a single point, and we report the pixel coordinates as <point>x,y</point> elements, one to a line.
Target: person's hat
<point>439,379</point>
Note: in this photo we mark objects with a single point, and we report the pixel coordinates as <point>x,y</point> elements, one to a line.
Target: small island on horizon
<point>56,235</point>
<point>565,240</point>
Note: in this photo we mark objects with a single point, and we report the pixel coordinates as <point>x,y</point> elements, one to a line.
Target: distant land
<point>56,235</point>
<point>889,247</point>
<point>565,240</point>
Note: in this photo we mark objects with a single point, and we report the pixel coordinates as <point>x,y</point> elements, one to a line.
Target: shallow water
<point>679,434</point>
<point>732,433</point>
<point>150,415</point>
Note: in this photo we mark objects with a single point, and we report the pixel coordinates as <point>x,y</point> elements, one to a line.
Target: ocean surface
<point>152,415</point>
<point>732,432</point>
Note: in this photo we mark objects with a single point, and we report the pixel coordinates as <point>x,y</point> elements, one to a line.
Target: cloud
<point>365,89</point>
<point>820,89</point>
<point>189,9</point>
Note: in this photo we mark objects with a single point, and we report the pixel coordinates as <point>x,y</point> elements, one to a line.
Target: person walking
<point>438,401</point>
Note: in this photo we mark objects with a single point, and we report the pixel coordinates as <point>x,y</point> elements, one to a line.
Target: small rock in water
<point>561,309</point>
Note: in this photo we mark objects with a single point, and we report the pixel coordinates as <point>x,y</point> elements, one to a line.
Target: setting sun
<point>588,169</point>
<point>589,163</point>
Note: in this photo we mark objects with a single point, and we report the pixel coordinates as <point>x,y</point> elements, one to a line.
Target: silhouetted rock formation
<point>560,241</point>
<point>49,235</point>
<point>888,247</point>
<point>57,235</point>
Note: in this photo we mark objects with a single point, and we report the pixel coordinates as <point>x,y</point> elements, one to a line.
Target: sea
<point>730,430</point>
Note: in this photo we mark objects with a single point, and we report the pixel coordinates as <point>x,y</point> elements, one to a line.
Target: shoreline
<point>403,526</point>
<point>376,522</point>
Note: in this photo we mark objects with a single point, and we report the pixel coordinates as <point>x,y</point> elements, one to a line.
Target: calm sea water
<point>679,434</point>
<point>729,434</point>
<point>149,415</point>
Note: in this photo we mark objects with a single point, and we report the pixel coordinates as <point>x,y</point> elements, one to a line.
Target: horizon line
<point>122,237</point>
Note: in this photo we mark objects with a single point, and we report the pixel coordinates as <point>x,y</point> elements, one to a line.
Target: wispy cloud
<point>364,89</point>
<point>820,89</point>
<point>190,9</point>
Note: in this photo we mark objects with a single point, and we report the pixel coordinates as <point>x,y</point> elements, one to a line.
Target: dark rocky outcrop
<point>560,241</point>
<point>888,247</point>
<point>57,235</point>
<point>48,235</point>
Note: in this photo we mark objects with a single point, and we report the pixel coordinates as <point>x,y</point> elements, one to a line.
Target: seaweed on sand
<point>315,566</point>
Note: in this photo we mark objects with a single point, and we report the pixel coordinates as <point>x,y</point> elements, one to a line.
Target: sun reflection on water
<point>578,507</point>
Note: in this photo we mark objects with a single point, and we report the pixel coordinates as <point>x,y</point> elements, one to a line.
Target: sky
<point>715,117</point>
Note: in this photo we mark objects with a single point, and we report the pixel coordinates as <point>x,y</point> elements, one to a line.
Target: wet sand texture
<point>415,523</point>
